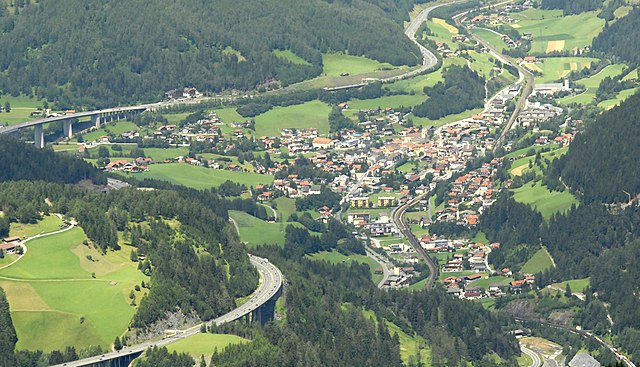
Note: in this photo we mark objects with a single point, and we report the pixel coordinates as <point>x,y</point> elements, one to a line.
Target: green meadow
<point>555,68</point>
<point>59,297</point>
<point>538,263</point>
<point>21,108</point>
<point>553,31</point>
<point>307,115</point>
<point>490,37</point>
<point>48,224</point>
<point>620,97</point>
<point>205,344</point>
<point>591,84</point>
<point>576,285</point>
<point>115,128</point>
<point>291,57</point>
<point>254,231</point>
<point>543,200</point>
<point>200,177</point>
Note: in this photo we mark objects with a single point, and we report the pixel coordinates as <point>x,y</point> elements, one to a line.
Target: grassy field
<point>555,68</point>
<point>545,201</point>
<point>291,57</point>
<point>524,360</point>
<point>519,166</point>
<point>491,38</point>
<point>116,128</point>
<point>577,285</point>
<point>205,344</point>
<point>620,97</point>
<point>285,207</point>
<point>539,262</point>
<point>401,100</point>
<point>200,177</point>
<point>551,30</point>
<point>255,231</point>
<point>55,300</point>
<point>591,83</point>
<point>50,223</point>
<point>335,257</point>
<point>21,108</point>
<point>306,115</point>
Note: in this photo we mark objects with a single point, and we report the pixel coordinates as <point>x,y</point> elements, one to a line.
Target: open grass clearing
<point>556,68</point>
<point>291,57</point>
<point>443,23</point>
<point>591,84</point>
<point>200,177</point>
<point>21,108</point>
<point>285,207</point>
<point>115,128</point>
<point>205,344</point>
<point>538,263</point>
<point>543,200</point>
<point>55,301</point>
<point>335,257</point>
<point>307,115</point>
<point>48,224</point>
<point>491,38</point>
<point>576,285</point>
<point>255,231</point>
<point>620,97</point>
<point>395,101</point>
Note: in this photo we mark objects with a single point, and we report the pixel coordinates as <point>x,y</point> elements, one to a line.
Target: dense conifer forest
<point>109,52</point>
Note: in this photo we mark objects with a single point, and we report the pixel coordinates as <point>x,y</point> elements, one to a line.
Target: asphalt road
<point>270,283</point>
<point>398,218</point>
<point>384,265</point>
<point>537,361</point>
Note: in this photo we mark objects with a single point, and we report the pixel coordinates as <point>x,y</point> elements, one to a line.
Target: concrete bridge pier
<point>38,137</point>
<point>95,120</point>
<point>68,129</point>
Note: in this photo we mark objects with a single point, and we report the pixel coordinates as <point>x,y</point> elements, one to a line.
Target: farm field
<point>554,32</point>
<point>541,199</point>
<point>491,38</point>
<point>205,344</point>
<point>539,262</point>
<point>200,177</point>
<point>555,68</point>
<point>21,108</point>
<point>591,83</point>
<point>55,300</point>
<point>310,114</point>
<point>335,257</point>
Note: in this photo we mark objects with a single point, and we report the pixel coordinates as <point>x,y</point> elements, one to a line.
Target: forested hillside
<point>26,162</point>
<point>9,339</point>
<point>97,52</point>
<point>621,38</point>
<point>602,163</point>
<point>572,6</point>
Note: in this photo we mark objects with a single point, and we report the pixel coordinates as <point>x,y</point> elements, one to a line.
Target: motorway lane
<point>398,219</point>
<point>271,281</point>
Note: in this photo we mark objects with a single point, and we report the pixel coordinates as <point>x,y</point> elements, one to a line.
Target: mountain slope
<point>118,51</point>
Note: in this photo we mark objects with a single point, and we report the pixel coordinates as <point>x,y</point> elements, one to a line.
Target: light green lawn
<point>592,83</point>
<point>491,38</point>
<point>577,31</point>
<point>50,223</point>
<point>200,177</point>
<point>577,285</point>
<point>423,121</point>
<point>418,83</point>
<point>631,75</point>
<point>21,108</point>
<point>307,115</point>
<point>291,57</point>
<point>620,97</point>
<point>285,207</point>
<point>524,360</point>
<point>255,231</point>
<point>205,344</point>
<point>442,32</point>
<point>401,100</point>
<point>537,148</point>
<point>418,285</point>
<point>521,165</point>
<point>335,257</point>
<point>555,68</point>
<point>229,115</point>
<point>538,263</point>
<point>545,201</point>
<point>58,290</point>
<point>116,128</point>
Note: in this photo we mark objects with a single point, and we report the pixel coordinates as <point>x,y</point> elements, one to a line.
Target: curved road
<point>270,283</point>
<point>398,218</point>
<point>536,361</point>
